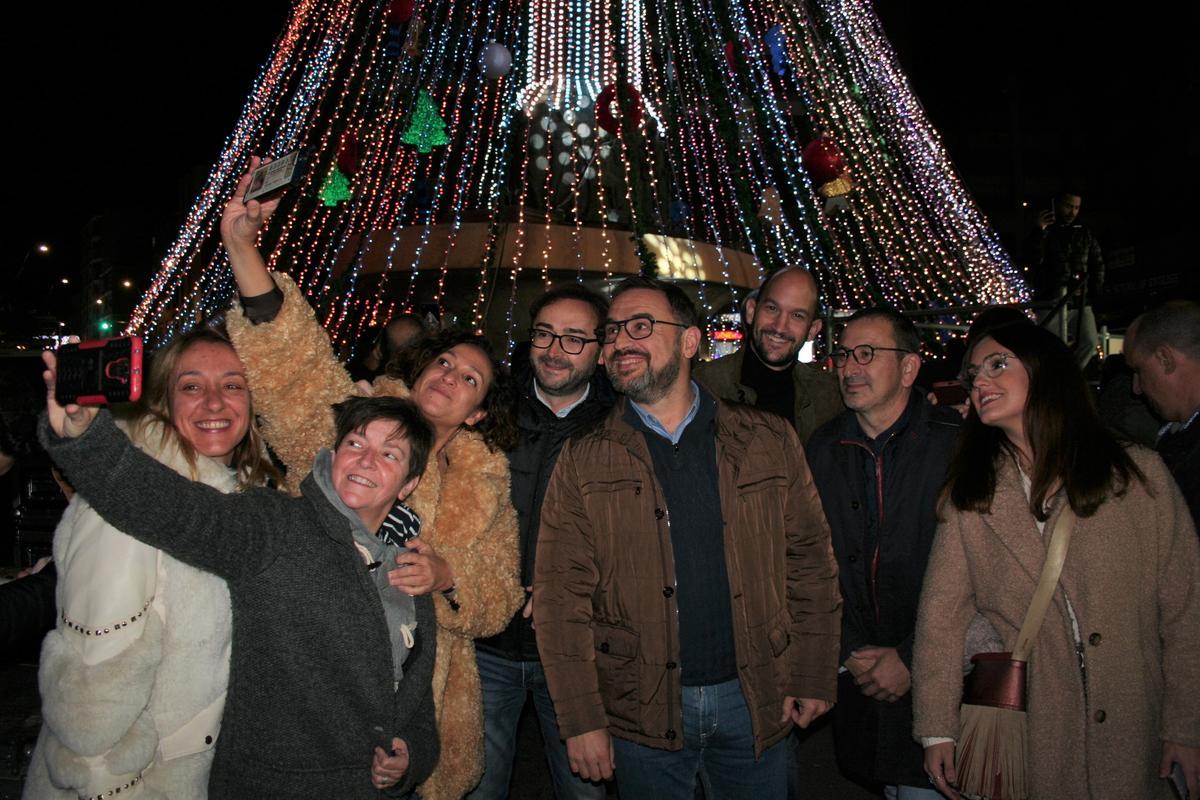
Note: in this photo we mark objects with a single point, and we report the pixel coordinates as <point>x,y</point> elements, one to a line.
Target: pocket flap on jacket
<point>611,486</point>
<point>759,479</point>
<point>616,642</point>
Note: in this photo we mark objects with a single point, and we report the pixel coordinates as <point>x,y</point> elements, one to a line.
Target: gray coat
<point>311,689</point>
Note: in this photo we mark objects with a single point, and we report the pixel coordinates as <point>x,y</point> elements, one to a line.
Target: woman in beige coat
<point>1112,681</point>
<point>467,550</point>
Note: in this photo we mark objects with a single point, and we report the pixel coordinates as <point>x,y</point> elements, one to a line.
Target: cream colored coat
<point>139,699</point>
<point>1132,574</point>
<point>466,514</point>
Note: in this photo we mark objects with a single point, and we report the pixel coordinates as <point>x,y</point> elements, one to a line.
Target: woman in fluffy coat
<point>133,678</point>
<point>1112,677</point>
<point>466,554</point>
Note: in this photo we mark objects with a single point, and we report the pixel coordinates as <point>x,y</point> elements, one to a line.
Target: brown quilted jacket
<point>604,606</point>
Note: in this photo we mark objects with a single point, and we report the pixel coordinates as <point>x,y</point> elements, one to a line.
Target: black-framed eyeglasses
<point>635,327</point>
<point>993,365</point>
<point>570,344</point>
<point>864,354</point>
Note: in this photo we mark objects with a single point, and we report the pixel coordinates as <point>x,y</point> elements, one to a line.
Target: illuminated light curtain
<point>727,97</point>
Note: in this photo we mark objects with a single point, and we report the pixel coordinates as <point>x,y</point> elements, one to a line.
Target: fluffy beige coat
<point>1132,574</point>
<point>466,513</point>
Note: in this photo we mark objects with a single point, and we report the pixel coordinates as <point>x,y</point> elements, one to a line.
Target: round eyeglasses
<point>635,327</point>
<point>993,364</point>
<point>864,354</point>
<point>571,345</point>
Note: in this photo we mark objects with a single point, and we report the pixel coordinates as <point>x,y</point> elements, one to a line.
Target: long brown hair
<point>1071,446</point>
<point>250,461</point>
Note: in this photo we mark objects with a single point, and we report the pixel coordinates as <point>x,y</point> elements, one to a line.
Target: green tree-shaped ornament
<point>427,129</point>
<point>336,188</point>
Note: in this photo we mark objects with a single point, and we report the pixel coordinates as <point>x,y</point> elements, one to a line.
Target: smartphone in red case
<point>100,371</point>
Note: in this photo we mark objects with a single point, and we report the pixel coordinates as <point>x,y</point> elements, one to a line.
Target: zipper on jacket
<point>664,544</point>
<point>873,566</point>
<point>878,536</point>
<point>668,558</point>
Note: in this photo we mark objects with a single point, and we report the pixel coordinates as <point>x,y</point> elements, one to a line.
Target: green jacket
<point>817,397</point>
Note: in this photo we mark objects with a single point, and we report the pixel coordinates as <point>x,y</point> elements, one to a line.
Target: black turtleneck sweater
<point>775,388</point>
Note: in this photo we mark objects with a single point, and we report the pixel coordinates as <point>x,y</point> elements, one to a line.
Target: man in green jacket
<point>765,372</point>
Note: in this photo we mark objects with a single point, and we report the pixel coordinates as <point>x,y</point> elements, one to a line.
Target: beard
<point>651,384</point>
<point>571,379</point>
<point>772,358</point>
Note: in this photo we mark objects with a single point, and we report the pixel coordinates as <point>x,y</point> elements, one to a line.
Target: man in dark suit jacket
<point>878,468</point>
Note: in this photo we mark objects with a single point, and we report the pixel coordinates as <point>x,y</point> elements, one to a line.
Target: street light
<point>127,283</point>
<point>41,248</point>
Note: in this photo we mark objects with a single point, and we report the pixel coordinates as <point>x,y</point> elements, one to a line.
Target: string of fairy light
<point>720,126</point>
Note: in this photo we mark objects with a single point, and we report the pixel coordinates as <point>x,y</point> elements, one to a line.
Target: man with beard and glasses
<point>559,393</point>
<point>766,373</point>
<point>685,591</point>
<point>879,467</point>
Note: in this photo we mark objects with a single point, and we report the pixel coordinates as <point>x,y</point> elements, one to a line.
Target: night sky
<point>127,114</point>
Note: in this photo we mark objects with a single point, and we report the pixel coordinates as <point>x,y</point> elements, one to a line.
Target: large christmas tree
<point>460,150</point>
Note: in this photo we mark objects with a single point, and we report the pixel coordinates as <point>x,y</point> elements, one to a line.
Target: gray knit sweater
<point>311,674</point>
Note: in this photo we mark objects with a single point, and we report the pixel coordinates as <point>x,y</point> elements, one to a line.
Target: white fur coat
<point>133,677</point>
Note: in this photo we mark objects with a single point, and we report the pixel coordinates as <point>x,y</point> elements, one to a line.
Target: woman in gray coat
<point>330,668</point>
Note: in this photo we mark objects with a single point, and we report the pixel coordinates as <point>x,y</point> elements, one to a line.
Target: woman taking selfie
<point>466,554</point>
<point>1112,674</point>
<point>133,678</point>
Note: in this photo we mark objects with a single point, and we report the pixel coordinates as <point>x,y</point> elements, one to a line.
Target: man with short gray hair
<point>879,468</point>
<point>1162,347</point>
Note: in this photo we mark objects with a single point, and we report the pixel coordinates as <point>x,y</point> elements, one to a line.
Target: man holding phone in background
<point>1064,258</point>
<point>878,468</point>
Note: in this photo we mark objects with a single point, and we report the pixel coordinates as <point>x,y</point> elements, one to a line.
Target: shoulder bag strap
<point>1056,554</point>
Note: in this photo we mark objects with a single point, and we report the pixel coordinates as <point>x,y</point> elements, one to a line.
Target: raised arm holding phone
<point>466,555</point>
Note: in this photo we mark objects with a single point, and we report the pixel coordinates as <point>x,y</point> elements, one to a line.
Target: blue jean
<point>506,685</point>
<point>718,751</point>
<point>911,793</point>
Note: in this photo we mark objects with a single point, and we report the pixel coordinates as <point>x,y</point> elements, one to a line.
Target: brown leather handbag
<point>992,750</point>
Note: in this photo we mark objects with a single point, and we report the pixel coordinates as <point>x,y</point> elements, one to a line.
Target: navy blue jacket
<point>1181,451</point>
<point>881,588</point>
<point>541,437</point>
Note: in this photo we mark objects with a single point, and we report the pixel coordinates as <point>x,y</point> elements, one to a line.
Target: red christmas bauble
<point>347,154</point>
<point>824,161</point>
<point>606,103</point>
<point>398,12</point>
